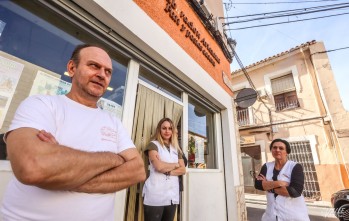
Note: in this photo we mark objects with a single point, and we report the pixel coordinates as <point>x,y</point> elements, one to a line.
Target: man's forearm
<point>52,166</point>
<point>121,177</point>
<point>76,168</point>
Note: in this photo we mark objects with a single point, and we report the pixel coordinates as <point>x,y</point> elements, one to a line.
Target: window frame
<point>283,101</point>
<point>282,72</point>
<point>212,137</point>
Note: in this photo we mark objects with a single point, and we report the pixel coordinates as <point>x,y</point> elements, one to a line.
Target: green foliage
<point>191,145</point>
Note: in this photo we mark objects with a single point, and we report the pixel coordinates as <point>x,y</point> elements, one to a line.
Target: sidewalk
<point>316,208</point>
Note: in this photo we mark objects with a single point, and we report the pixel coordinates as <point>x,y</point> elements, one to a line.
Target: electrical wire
<point>277,23</point>
<point>287,11</point>
<point>332,50</point>
<point>285,15</point>
<point>267,3</point>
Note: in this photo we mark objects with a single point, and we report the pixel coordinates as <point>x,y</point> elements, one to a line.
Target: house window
<point>301,153</point>
<point>284,92</point>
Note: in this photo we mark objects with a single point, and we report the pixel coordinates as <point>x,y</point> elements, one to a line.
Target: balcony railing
<point>243,117</point>
<point>286,105</point>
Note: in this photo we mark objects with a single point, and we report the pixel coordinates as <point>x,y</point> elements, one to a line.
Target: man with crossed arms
<point>68,156</point>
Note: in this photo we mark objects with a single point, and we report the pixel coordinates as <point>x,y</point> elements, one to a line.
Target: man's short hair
<point>75,57</point>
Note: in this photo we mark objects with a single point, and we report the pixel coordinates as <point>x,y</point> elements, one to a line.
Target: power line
<point>292,10</point>
<point>257,26</point>
<point>228,6</point>
<point>266,3</point>
<point>285,15</point>
<point>254,87</point>
<point>332,50</point>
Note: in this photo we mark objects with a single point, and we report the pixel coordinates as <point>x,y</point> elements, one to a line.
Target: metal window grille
<point>243,117</point>
<point>301,153</point>
<point>286,105</point>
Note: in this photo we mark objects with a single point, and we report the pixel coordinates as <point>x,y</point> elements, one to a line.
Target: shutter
<point>283,84</point>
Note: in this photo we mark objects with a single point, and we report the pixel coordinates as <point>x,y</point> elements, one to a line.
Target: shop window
<point>35,46</point>
<point>284,92</point>
<point>201,144</point>
<point>159,83</point>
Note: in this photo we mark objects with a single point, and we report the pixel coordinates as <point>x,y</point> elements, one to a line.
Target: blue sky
<point>256,44</point>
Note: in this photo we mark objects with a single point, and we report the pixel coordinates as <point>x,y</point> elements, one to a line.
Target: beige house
<point>298,101</point>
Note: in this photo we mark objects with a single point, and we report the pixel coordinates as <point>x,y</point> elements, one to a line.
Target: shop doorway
<point>251,164</point>
<point>151,106</point>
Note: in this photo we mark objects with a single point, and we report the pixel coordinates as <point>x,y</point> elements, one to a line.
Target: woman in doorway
<point>161,189</point>
<point>283,180</point>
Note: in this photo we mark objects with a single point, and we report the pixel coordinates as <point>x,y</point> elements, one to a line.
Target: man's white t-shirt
<point>76,126</point>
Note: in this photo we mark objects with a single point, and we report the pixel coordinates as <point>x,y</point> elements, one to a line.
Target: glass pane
<point>148,76</point>
<point>202,152</point>
<point>35,46</point>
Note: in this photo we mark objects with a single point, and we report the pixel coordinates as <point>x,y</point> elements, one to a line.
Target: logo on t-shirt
<point>108,134</point>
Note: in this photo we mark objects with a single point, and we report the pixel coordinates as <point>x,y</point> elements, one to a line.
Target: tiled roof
<point>277,55</point>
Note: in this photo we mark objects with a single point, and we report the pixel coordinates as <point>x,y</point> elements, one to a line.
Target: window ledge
<point>287,109</point>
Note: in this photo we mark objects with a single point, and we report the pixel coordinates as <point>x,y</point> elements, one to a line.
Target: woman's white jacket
<point>160,189</point>
<point>285,208</point>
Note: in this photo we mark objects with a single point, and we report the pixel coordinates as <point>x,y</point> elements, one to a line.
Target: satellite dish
<point>199,111</point>
<point>246,97</point>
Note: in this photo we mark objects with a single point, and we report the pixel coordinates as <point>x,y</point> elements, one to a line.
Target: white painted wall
<point>207,197</point>
<point>210,193</point>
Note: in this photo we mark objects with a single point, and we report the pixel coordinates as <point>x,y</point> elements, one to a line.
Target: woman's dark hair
<point>287,144</point>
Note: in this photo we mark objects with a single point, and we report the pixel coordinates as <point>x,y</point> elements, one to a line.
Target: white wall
<point>208,198</point>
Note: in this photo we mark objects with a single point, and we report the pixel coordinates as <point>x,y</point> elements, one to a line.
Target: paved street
<point>255,212</point>
<point>318,210</point>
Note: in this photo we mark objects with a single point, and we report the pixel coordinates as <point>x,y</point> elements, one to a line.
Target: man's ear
<point>71,67</point>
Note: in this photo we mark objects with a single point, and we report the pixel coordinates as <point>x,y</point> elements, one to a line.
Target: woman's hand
<point>261,177</point>
<point>271,185</point>
<point>159,165</point>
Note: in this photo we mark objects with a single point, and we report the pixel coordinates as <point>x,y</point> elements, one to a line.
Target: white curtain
<point>151,107</point>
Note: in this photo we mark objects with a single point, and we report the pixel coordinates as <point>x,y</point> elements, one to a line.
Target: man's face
<point>92,75</point>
